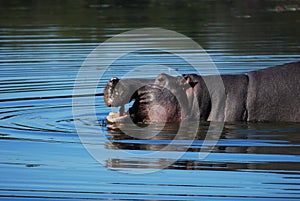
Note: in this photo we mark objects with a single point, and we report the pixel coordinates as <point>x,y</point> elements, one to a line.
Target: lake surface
<point>43,45</point>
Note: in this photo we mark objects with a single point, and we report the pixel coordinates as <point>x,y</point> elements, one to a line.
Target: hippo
<point>266,95</point>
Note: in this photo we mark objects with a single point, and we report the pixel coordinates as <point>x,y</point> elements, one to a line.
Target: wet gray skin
<point>271,94</point>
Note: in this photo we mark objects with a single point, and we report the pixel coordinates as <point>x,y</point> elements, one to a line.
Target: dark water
<point>44,44</point>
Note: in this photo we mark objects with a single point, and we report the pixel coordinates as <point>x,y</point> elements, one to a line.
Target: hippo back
<point>274,94</point>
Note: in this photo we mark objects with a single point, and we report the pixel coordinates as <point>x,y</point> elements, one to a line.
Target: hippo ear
<point>189,81</point>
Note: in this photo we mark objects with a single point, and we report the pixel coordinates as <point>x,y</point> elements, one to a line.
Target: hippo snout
<point>109,91</point>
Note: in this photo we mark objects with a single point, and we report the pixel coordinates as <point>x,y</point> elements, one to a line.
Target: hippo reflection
<point>271,94</point>
<point>236,138</point>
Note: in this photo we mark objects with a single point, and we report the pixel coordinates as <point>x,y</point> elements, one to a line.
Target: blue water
<point>43,46</point>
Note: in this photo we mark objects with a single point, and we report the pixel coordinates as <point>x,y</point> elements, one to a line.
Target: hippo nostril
<point>114,79</point>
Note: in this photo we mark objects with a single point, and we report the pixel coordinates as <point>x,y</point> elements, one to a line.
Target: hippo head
<point>165,99</point>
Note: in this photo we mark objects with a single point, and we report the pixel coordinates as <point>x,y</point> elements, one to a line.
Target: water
<point>43,46</point>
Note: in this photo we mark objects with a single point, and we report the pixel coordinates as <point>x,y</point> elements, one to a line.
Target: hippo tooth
<point>114,115</point>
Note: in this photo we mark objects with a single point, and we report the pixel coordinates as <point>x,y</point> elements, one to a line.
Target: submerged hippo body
<point>271,94</point>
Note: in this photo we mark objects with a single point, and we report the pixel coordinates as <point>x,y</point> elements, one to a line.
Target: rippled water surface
<point>42,47</point>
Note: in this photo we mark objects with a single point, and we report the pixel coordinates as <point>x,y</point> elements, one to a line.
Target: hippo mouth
<point>112,98</point>
<point>115,117</point>
<point>119,93</point>
<point>121,116</point>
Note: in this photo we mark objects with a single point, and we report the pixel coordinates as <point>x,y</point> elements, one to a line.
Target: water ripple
<point>42,156</point>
